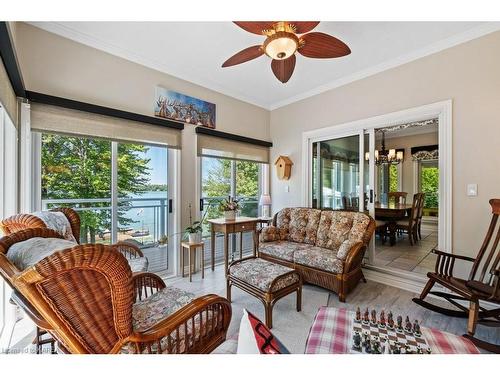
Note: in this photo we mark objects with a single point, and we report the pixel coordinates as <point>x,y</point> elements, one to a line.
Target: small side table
<point>191,248</point>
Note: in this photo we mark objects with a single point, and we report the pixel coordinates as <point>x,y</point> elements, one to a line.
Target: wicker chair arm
<point>20,222</point>
<point>445,262</point>
<point>216,308</point>
<point>146,284</point>
<point>128,249</point>
<point>7,269</point>
<point>354,257</point>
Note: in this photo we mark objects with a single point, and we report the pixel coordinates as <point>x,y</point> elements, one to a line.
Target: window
<point>428,182</point>
<point>119,190</point>
<point>221,178</point>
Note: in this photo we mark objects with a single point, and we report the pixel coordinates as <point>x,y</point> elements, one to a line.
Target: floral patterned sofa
<point>325,246</point>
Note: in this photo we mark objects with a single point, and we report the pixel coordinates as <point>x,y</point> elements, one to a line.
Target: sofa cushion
<point>57,221</point>
<point>282,249</point>
<point>345,248</point>
<point>269,234</point>
<point>320,258</point>
<point>337,226</point>
<point>303,226</point>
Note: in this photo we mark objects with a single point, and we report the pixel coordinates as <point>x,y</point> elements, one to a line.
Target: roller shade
<point>7,96</point>
<point>55,119</point>
<point>217,147</point>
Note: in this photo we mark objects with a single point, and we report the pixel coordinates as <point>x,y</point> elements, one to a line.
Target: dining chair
<point>410,225</point>
<point>419,216</point>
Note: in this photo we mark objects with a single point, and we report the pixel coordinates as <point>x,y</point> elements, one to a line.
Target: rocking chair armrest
<point>446,261</point>
<point>146,284</point>
<point>218,311</point>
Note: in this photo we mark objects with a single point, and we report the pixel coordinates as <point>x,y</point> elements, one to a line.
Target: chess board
<point>394,336</point>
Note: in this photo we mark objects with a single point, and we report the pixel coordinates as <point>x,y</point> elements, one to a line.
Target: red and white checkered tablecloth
<point>332,329</point>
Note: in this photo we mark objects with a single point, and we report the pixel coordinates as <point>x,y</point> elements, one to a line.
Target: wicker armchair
<point>19,222</point>
<point>86,295</point>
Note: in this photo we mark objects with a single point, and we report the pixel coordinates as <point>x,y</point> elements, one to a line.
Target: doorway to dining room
<point>363,165</point>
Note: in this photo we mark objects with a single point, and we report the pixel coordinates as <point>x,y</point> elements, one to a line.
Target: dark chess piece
<point>382,319</point>
<point>416,329</point>
<point>356,341</point>
<point>374,317</point>
<point>358,314</point>
<point>408,349</point>
<point>366,340</point>
<point>390,320</point>
<point>366,316</point>
<point>397,349</point>
<point>376,347</point>
<point>419,350</point>
<point>400,323</point>
<point>408,326</point>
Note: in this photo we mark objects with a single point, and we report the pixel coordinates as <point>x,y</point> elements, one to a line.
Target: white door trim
<point>442,110</point>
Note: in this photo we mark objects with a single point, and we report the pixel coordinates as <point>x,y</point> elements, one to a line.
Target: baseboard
<point>411,282</point>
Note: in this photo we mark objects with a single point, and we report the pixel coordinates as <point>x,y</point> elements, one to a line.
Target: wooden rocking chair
<point>483,284</point>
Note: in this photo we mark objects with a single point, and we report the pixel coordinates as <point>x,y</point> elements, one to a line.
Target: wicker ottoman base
<point>266,281</point>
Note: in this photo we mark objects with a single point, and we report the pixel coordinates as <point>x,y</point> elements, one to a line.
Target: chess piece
<point>358,314</point>
<point>397,349</point>
<point>408,349</point>
<point>382,319</point>
<point>366,316</point>
<point>374,317</point>
<point>408,326</point>
<point>419,350</point>
<point>357,341</point>
<point>376,347</point>
<point>400,323</point>
<point>387,348</point>
<point>416,329</point>
<point>366,340</point>
<point>390,320</point>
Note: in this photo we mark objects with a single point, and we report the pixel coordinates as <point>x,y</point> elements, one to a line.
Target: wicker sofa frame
<point>340,283</point>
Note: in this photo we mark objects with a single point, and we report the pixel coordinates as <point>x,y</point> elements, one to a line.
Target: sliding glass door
<point>120,190</point>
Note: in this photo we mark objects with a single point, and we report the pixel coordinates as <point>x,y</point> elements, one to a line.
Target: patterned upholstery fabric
<point>283,223</point>
<point>337,226</point>
<point>269,234</point>
<point>58,222</point>
<point>319,258</point>
<point>282,249</point>
<point>28,253</point>
<point>345,247</point>
<point>261,273</point>
<point>304,225</point>
<point>139,264</point>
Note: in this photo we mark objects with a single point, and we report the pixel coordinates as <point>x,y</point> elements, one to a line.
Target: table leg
<point>241,245</point>
<point>190,260</point>
<point>212,248</point>
<point>202,261</point>
<point>392,232</point>
<point>226,252</point>
<point>182,260</point>
<point>255,242</point>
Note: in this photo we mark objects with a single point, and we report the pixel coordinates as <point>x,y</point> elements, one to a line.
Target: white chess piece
<point>387,348</point>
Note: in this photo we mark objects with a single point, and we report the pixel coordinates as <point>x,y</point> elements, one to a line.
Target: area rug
<point>290,326</point>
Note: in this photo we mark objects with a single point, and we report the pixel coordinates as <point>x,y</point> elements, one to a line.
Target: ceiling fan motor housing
<point>281,45</point>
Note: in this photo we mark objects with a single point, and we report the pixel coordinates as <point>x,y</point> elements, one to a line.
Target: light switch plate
<point>287,188</point>
<point>472,190</point>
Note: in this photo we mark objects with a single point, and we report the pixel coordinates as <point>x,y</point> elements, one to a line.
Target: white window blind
<point>54,119</point>
<point>216,147</point>
<point>7,96</point>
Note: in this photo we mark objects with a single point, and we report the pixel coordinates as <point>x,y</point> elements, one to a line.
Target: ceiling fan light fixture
<point>281,45</point>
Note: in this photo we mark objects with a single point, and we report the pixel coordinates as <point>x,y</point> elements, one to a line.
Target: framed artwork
<point>179,107</point>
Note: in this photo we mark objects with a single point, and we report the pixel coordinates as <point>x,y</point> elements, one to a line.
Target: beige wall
<point>57,66</point>
<point>406,143</point>
<point>469,74</point>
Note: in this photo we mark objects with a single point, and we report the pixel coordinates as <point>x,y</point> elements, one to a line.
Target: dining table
<point>391,213</point>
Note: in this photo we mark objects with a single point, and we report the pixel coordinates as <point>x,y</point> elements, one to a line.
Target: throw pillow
<point>269,234</point>
<point>345,247</point>
<point>256,338</point>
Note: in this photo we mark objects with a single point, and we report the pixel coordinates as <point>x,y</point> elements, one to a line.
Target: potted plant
<point>229,206</point>
<point>163,241</point>
<point>195,228</point>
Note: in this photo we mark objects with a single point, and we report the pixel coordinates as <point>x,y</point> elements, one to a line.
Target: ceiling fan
<point>284,38</point>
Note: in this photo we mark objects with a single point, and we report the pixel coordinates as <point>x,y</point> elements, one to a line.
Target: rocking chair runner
<point>483,283</point>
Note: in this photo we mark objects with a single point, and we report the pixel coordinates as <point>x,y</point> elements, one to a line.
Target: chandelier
<point>386,156</point>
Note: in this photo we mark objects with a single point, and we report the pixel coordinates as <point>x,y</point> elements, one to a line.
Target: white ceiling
<point>194,51</point>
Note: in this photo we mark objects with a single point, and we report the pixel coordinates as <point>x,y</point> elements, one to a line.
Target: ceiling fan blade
<point>255,27</point>
<point>302,27</point>
<point>283,69</point>
<point>245,55</point>
<point>322,46</point>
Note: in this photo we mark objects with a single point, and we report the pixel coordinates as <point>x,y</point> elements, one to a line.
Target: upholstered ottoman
<point>266,281</point>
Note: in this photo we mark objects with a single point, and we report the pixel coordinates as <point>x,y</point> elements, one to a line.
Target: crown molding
<point>99,44</point>
<point>83,38</point>
<point>441,45</point>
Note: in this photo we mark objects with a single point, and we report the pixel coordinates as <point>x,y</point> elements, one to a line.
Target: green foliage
<point>80,168</point>
<point>156,187</point>
<point>429,181</point>
<point>393,178</point>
